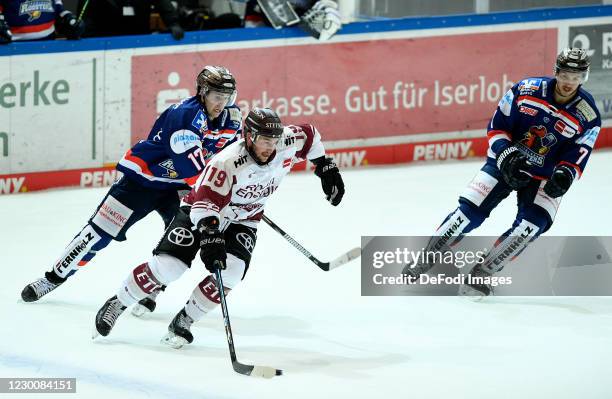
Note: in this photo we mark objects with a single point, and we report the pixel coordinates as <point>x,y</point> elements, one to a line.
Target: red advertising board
<point>361,89</point>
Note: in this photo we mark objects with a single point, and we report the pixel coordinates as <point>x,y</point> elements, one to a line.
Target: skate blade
<point>139,311</point>
<point>174,340</point>
<point>95,334</point>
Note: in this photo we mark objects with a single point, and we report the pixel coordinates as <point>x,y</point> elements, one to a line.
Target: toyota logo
<point>246,241</point>
<point>181,236</point>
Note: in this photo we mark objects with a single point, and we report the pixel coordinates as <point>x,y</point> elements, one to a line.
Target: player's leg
<point>486,190</point>
<point>171,258</point>
<point>124,204</point>
<point>240,242</point>
<point>166,209</point>
<point>536,213</point>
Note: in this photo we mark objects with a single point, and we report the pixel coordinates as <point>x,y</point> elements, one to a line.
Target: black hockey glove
<point>177,32</point>
<point>323,20</point>
<point>212,244</point>
<point>6,36</point>
<point>510,162</point>
<point>331,181</point>
<point>69,26</point>
<point>559,182</point>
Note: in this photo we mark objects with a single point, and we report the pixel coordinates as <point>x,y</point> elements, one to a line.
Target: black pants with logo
<point>182,240</point>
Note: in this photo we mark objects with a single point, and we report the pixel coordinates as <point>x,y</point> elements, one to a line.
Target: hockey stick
<point>83,11</point>
<point>325,266</point>
<point>254,371</point>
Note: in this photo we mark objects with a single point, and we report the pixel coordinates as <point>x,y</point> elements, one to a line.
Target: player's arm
<point>212,193</point>
<point>499,130</point>
<point>508,158</point>
<point>572,161</point>
<point>233,125</point>
<point>307,139</point>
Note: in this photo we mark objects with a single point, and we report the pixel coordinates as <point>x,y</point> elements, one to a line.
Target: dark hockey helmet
<point>574,60</point>
<point>263,122</point>
<point>216,78</point>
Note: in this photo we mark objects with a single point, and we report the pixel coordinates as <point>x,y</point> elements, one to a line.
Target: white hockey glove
<point>323,20</point>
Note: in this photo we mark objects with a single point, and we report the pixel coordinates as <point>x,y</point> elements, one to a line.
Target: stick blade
<point>256,371</point>
<point>345,258</point>
<point>265,372</point>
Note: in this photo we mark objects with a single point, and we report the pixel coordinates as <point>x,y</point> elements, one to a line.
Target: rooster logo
<point>539,140</point>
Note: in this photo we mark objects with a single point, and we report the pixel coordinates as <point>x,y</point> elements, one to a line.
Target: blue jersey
<point>179,144</point>
<point>548,133</point>
<point>31,19</point>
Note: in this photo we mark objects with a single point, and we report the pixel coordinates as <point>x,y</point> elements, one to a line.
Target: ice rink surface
<point>330,341</point>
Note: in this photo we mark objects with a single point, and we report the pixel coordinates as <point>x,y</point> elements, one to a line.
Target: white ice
<point>330,341</point>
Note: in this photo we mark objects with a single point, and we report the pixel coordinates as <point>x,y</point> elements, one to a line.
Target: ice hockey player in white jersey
<point>219,218</point>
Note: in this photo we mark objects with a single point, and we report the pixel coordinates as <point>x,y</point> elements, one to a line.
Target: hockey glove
<point>559,182</point>
<point>212,244</point>
<point>323,20</point>
<point>69,26</point>
<point>6,36</point>
<point>331,181</point>
<point>177,32</point>
<point>510,162</point>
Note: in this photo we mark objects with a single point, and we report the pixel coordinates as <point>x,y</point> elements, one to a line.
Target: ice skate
<point>41,287</point>
<point>179,333</point>
<point>107,316</point>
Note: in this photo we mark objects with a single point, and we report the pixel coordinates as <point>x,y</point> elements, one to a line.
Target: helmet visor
<point>217,97</point>
<point>265,141</point>
<point>572,76</point>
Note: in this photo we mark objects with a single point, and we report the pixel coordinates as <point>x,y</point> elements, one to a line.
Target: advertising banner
<point>361,89</point>
<point>598,39</point>
<point>47,113</point>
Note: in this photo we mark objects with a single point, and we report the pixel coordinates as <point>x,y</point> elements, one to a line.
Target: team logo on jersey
<point>200,122</point>
<point>287,163</point>
<point>529,85</point>
<point>181,236</point>
<point>34,8</point>
<point>170,171</point>
<point>536,143</point>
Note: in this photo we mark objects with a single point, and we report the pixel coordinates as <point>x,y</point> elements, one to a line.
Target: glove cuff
<point>209,225</point>
<point>324,165</point>
<point>505,154</point>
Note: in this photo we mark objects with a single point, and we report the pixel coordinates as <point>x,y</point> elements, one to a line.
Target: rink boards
<point>398,91</point>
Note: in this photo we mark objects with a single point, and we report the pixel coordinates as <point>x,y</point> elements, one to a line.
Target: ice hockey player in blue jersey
<point>540,139</point>
<point>156,171</point>
<point>36,20</point>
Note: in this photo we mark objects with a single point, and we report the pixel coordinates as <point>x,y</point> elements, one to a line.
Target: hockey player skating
<point>540,139</point>
<point>155,172</point>
<point>219,218</point>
